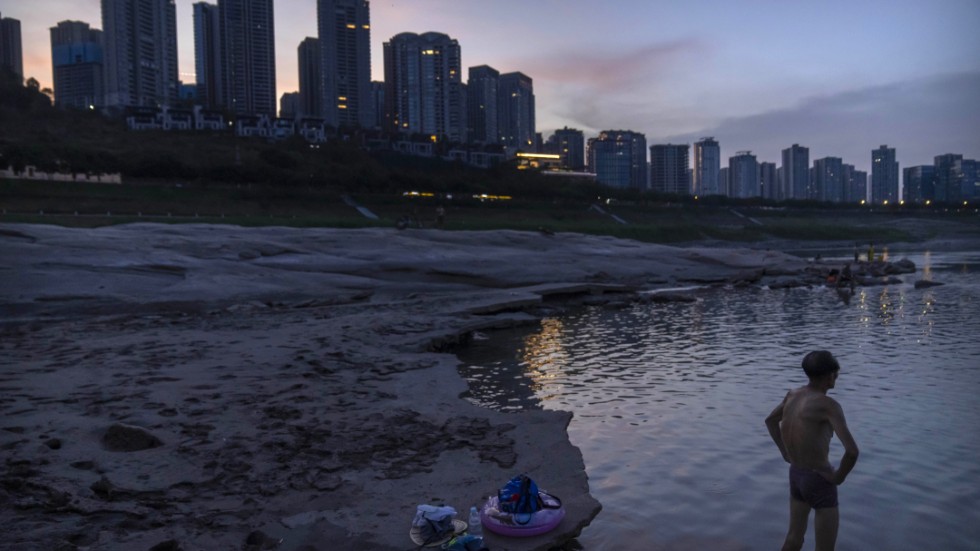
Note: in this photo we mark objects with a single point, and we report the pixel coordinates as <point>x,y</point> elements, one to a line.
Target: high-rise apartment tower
<point>76,61</point>
<point>344,28</point>
<point>140,47</point>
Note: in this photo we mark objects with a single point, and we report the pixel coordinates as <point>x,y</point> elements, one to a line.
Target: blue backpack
<point>521,496</point>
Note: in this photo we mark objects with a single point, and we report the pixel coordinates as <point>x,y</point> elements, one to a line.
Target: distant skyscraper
<point>669,168</point>
<point>344,28</point>
<point>140,47</point>
<point>481,105</point>
<point>11,54</point>
<point>743,175</point>
<point>855,184</point>
<point>828,179</point>
<point>884,175</point>
<point>207,55</point>
<point>768,181</point>
<point>423,87</point>
<point>919,183</point>
<point>707,163</point>
<point>969,173</point>
<point>619,159</point>
<point>310,79</point>
<point>947,187</point>
<point>796,173</point>
<point>289,105</point>
<point>570,146</point>
<point>378,100</point>
<point>248,56</point>
<point>515,111</point>
<point>76,60</point>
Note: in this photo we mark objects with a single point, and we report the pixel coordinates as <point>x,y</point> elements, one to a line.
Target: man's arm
<point>772,423</point>
<point>839,424</point>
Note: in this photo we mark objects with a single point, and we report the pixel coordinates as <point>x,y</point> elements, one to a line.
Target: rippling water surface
<point>669,402</point>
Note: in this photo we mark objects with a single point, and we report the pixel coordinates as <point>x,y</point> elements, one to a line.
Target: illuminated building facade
<point>619,159</point>
<point>515,111</point>
<point>884,175</point>
<point>424,91</point>
<point>344,28</point>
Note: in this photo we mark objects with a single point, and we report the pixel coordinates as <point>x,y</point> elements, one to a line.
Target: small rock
<point>53,443</point>
<point>924,283</point>
<point>169,545</point>
<point>129,438</point>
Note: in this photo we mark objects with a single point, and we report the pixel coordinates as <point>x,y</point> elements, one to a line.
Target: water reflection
<point>669,401</point>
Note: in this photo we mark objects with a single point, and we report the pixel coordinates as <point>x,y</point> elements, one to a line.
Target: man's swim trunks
<point>812,488</point>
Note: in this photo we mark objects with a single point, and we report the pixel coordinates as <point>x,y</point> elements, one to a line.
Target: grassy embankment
<point>179,177</point>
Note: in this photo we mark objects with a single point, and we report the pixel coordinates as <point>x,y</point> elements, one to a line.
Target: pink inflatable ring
<point>507,524</point>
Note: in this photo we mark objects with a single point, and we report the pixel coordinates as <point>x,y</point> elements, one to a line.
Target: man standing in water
<point>802,426</point>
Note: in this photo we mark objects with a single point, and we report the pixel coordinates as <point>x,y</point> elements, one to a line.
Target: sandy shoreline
<point>298,379</point>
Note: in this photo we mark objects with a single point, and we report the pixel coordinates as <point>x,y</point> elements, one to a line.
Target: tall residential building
<point>76,62</point>
<point>948,188</point>
<point>796,173</point>
<point>11,54</point>
<point>140,48</point>
<point>248,56</point>
<point>378,100</point>
<point>884,175</point>
<point>289,105</point>
<point>207,55</point>
<point>743,175</point>
<point>707,163</point>
<point>344,29</point>
<point>515,111</point>
<point>828,179</point>
<point>310,79</point>
<point>855,184</point>
<point>619,159</point>
<point>919,183</point>
<point>570,146</point>
<point>481,105</point>
<point>424,91</point>
<point>969,173</point>
<point>669,168</point>
<point>768,181</point>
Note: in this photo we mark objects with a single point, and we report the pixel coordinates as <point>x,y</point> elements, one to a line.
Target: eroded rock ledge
<point>290,387</point>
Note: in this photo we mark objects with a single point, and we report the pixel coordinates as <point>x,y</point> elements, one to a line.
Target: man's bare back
<point>805,428</point>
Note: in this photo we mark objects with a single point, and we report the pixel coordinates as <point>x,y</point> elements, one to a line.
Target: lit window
<point>366,27</point>
<point>351,26</point>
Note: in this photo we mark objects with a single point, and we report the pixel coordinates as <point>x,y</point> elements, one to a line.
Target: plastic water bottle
<point>476,526</point>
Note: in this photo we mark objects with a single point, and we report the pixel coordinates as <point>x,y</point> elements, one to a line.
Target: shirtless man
<point>802,426</point>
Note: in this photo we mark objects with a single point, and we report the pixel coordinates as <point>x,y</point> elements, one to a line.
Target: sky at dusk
<point>840,77</point>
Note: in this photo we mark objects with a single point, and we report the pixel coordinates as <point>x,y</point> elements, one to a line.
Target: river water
<point>669,402</point>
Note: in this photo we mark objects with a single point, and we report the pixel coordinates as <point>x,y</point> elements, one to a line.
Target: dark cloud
<point>920,118</point>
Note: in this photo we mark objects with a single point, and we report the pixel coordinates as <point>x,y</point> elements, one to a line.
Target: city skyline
<point>837,78</point>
